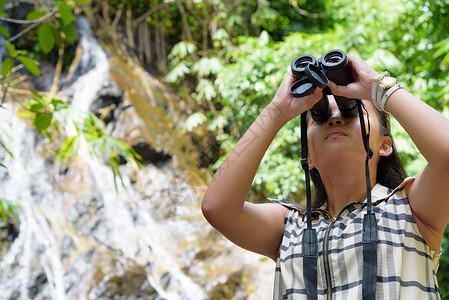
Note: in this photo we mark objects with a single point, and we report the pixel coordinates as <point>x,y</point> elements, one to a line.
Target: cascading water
<point>81,239</point>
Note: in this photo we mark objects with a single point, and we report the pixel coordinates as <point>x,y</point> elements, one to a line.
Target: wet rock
<point>127,280</point>
<point>108,99</point>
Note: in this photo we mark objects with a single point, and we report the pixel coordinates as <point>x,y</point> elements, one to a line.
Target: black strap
<point>309,238</point>
<point>369,236</point>
<point>310,242</point>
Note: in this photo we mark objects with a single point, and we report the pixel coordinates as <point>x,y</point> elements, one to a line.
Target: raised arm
<point>256,227</point>
<point>429,130</point>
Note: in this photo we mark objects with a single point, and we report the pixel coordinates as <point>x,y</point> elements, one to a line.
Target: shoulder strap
<point>309,238</point>
<point>369,235</point>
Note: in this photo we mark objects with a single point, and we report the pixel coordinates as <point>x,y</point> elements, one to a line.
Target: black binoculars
<point>311,73</point>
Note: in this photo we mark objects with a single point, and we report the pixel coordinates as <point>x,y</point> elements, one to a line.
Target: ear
<point>386,148</point>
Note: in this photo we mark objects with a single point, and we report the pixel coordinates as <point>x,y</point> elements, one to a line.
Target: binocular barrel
<point>332,65</point>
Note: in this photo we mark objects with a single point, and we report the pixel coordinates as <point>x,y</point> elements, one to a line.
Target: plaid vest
<point>406,266</point>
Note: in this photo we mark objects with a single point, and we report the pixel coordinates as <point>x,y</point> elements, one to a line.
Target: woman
<point>411,218</point>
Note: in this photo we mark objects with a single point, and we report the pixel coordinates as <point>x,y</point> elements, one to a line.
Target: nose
<point>335,121</point>
<point>336,118</point>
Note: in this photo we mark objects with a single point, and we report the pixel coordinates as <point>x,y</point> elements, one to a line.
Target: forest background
<point>225,60</point>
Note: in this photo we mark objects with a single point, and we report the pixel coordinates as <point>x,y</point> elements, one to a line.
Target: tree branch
<point>304,12</point>
<point>35,23</point>
<point>148,13</point>
<point>9,20</point>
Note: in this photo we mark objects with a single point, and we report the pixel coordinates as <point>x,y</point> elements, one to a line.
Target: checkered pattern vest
<point>406,266</point>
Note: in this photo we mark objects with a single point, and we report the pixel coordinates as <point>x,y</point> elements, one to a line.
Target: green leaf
<point>4,31</point>
<point>7,65</point>
<point>29,64</point>
<point>69,33</point>
<point>58,104</point>
<point>36,107</point>
<point>2,145</point>
<point>35,15</point>
<point>82,1</point>
<point>11,49</point>
<point>178,72</point>
<point>194,121</point>
<point>68,149</point>
<point>206,66</point>
<point>59,40</point>
<point>2,5</point>
<point>66,14</point>
<point>8,208</point>
<point>42,121</point>
<point>205,89</point>
<point>182,49</point>
<point>46,38</point>
<point>3,211</point>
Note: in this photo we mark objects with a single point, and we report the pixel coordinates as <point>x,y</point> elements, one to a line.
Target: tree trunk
<point>186,27</point>
<point>129,31</point>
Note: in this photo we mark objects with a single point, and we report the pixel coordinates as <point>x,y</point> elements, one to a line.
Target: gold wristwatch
<point>387,82</point>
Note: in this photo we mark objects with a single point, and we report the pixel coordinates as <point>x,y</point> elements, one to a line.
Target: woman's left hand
<point>363,76</point>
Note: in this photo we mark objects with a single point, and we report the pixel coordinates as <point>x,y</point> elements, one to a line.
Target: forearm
<point>232,181</point>
<point>428,129</point>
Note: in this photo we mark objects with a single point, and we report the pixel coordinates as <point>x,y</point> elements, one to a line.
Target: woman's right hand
<point>290,106</point>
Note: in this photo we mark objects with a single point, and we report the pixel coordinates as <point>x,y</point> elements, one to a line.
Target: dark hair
<point>390,171</point>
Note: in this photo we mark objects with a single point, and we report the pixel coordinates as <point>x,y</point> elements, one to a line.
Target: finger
<point>313,98</point>
<point>338,90</point>
<point>349,91</point>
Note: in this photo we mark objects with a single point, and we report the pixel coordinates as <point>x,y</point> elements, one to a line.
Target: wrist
<point>383,87</point>
<point>274,113</point>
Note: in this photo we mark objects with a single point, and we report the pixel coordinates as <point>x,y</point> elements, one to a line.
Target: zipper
<point>326,247</point>
<point>326,244</point>
<point>326,259</point>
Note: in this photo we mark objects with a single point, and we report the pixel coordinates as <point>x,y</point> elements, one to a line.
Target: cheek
<point>313,143</point>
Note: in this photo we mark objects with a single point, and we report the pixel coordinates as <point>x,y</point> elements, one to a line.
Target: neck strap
<point>310,240</point>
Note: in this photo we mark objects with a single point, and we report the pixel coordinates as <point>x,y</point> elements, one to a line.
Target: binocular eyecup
<point>311,73</point>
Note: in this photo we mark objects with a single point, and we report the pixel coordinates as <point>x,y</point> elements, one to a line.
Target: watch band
<point>374,89</point>
<point>376,82</point>
<point>387,95</point>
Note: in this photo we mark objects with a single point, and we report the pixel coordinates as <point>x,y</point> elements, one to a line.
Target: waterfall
<point>81,239</point>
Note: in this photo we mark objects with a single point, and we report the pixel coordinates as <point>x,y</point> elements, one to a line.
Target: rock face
<point>77,237</point>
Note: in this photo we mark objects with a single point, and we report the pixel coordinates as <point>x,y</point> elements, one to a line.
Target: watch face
<point>388,81</point>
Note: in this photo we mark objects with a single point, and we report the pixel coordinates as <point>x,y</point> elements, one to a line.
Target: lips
<point>335,132</point>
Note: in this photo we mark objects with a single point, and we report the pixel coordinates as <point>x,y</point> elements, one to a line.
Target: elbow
<point>208,208</point>
<point>213,210</point>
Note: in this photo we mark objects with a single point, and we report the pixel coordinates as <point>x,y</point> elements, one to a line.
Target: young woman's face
<point>340,140</point>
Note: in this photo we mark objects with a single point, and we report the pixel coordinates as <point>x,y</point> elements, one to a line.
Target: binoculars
<point>311,73</point>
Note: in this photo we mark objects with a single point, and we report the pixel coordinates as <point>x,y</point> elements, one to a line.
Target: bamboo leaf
<point>3,211</point>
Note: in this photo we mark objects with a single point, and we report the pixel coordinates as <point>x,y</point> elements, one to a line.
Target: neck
<point>341,189</point>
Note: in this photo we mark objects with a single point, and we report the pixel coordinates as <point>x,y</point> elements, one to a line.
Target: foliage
<point>48,113</point>
<point>4,147</point>
<point>101,145</point>
<point>8,209</point>
<point>43,111</point>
